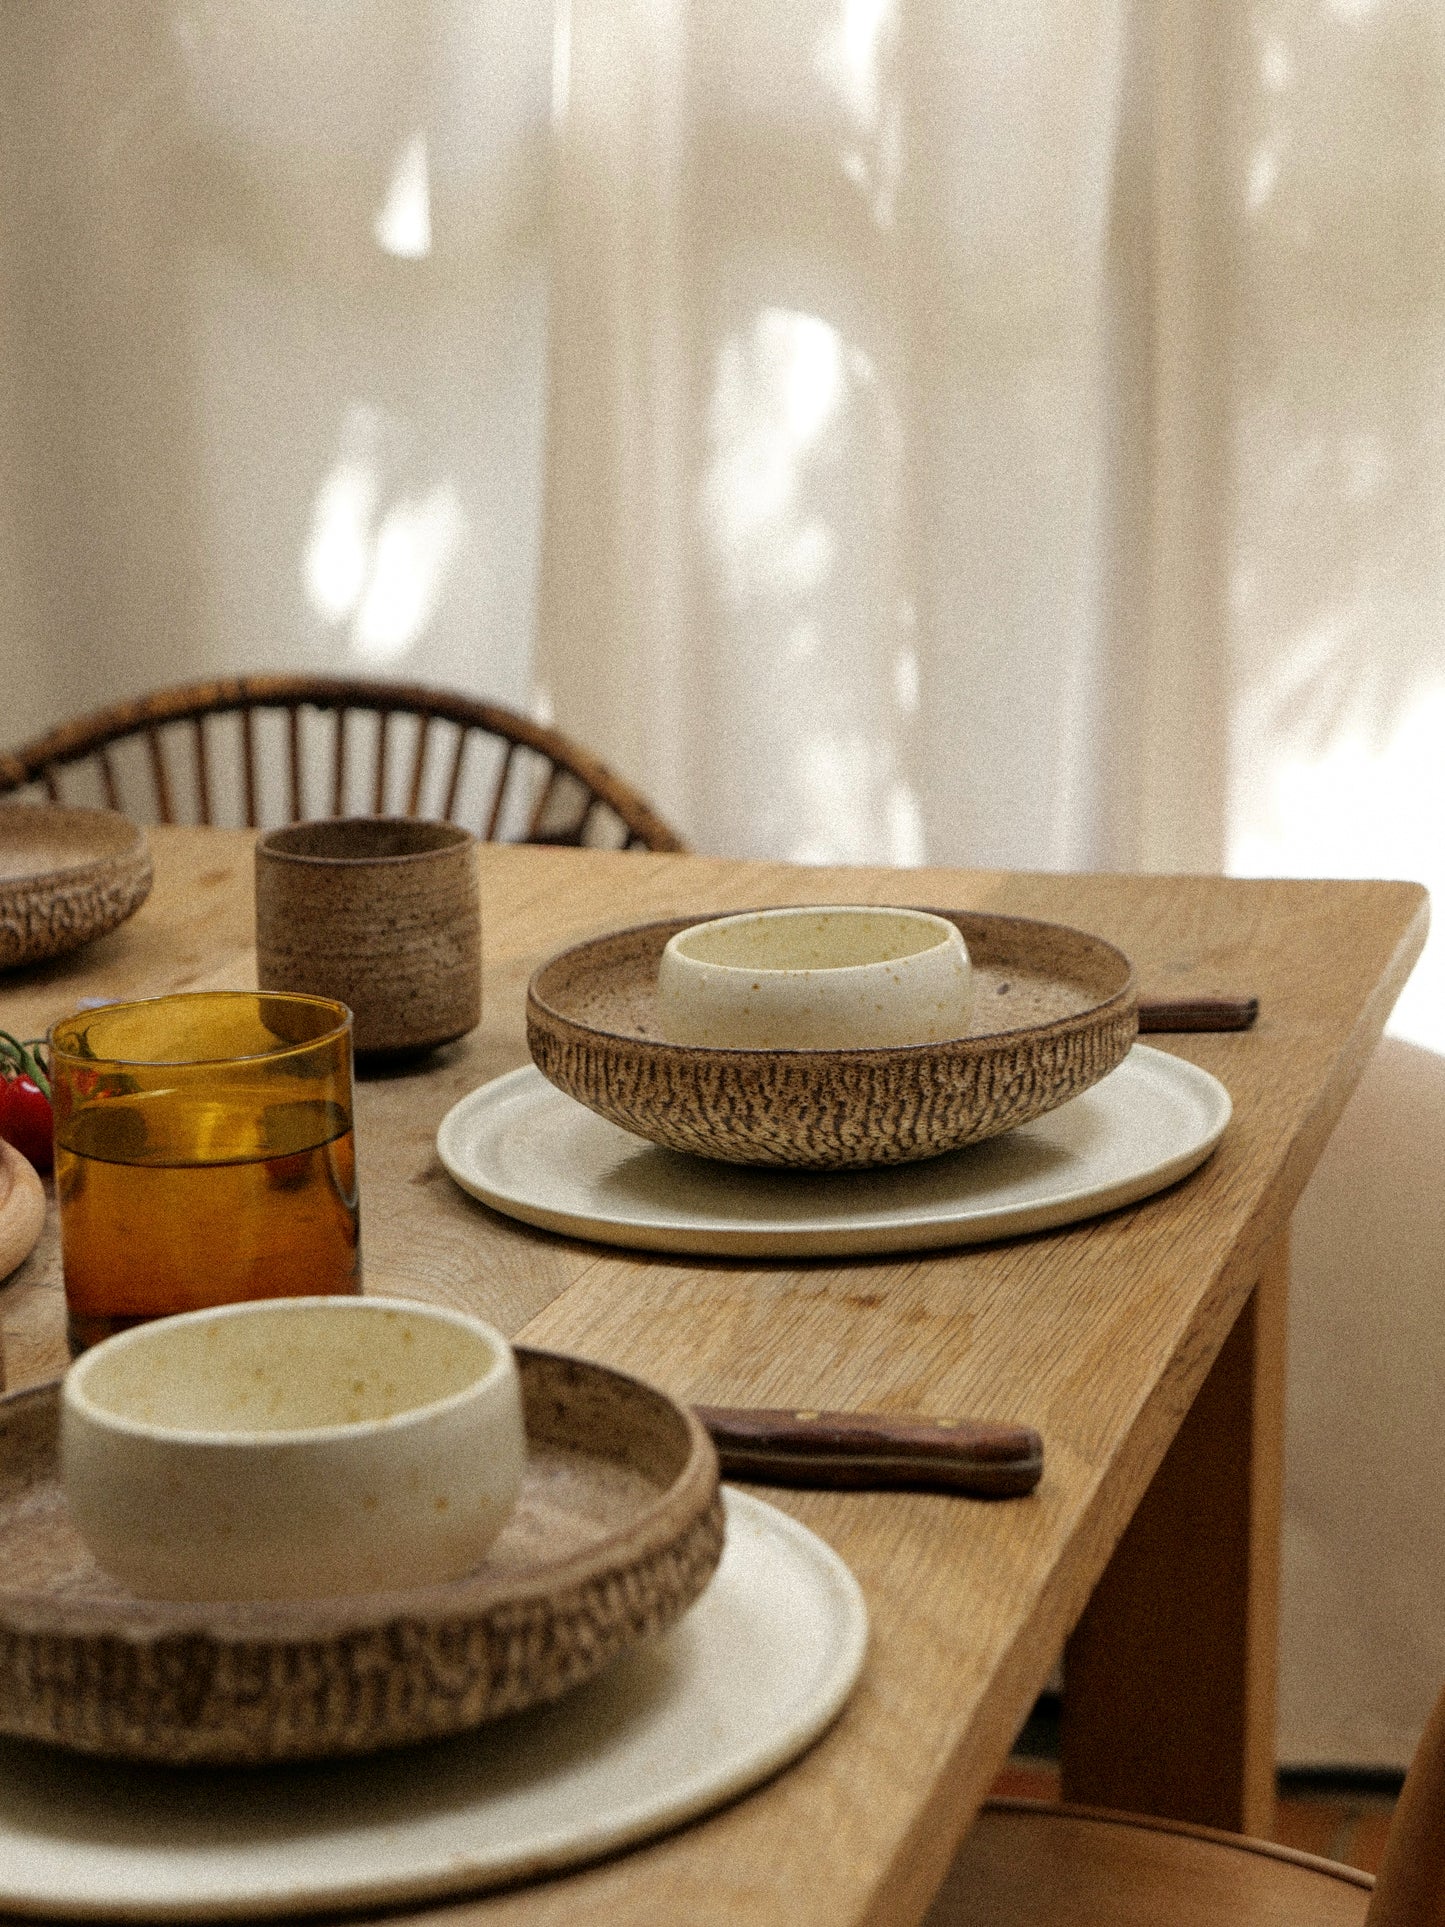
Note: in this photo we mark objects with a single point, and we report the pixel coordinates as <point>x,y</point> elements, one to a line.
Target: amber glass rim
<point>338,1030</point>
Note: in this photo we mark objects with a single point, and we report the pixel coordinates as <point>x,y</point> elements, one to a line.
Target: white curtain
<point>988,434</point>
<point>1017,436</point>
<point>886,465</point>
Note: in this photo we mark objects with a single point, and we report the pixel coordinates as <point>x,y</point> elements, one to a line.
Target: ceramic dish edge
<point>819,1240</point>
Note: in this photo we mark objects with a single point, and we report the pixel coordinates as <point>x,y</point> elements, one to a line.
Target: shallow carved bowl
<point>1054,1010</point>
<point>618,1529</point>
<point>66,877</point>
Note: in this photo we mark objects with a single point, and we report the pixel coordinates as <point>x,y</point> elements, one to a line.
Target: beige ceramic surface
<point>531,1152</point>
<point>294,1448</point>
<point>616,1531</point>
<point>381,913</point>
<point>22,1212</point>
<point>66,877</point>
<point>754,1672</point>
<point>832,977</point>
<point>1053,1011</point>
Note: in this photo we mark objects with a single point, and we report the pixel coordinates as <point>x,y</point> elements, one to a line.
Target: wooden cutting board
<point>22,1213</point>
<point>22,1208</point>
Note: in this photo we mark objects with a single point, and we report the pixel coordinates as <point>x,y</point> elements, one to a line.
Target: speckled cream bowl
<point>293,1448</point>
<point>831,977</point>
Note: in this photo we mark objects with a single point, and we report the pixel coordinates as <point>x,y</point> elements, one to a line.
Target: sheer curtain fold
<point>825,485</point>
<point>611,662</point>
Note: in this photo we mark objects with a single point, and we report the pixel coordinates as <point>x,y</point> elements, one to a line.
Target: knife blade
<point>864,1451</point>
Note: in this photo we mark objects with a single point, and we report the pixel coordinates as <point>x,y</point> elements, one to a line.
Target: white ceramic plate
<point>752,1675</point>
<point>529,1150</point>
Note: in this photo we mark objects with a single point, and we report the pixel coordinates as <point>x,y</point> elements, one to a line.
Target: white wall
<point>272,309</point>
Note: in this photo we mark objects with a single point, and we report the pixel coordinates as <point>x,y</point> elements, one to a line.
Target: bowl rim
<point>948,933</point>
<point>128,850</point>
<point>75,1397</point>
<point>542,1012</point>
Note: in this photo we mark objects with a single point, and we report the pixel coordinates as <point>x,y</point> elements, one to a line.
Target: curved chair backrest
<point>260,743</point>
<point>1031,1864</point>
<point>1410,1889</point>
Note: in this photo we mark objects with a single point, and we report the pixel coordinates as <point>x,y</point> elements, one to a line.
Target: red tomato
<point>25,1120</point>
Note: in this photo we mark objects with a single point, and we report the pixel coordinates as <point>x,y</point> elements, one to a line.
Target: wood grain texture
<point>1099,1336</point>
<point>1169,1705</point>
<point>868,1452</point>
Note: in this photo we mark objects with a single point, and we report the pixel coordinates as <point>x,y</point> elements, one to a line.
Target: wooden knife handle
<point>871,1450</point>
<point>1197,1013</point>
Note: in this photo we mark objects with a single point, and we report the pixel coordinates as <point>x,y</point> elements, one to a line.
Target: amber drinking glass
<point>203,1153</point>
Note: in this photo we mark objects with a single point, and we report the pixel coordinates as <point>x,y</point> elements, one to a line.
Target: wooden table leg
<point>1169,1677</point>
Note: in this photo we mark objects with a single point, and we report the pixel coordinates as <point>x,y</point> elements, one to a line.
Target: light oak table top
<point>1100,1335</point>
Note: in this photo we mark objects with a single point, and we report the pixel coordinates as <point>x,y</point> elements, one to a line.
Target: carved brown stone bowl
<point>1054,1010</point>
<point>618,1529</point>
<point>66,877</point>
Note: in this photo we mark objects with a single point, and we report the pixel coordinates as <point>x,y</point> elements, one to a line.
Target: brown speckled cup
<point>381,913</point>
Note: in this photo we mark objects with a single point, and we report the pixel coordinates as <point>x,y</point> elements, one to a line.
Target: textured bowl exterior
<point>93,871</point>
<point>249,1683</point>
<point>396,938</point>
<point>589,1013</point>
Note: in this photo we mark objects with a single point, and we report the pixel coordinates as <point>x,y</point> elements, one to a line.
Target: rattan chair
<point>1026,1865</point>
<point>272,749</point>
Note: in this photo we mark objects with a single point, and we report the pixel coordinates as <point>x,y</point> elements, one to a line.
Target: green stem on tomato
<point>25,1058</point>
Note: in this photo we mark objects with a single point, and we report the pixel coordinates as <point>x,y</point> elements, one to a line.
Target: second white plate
<point>529,1150</point>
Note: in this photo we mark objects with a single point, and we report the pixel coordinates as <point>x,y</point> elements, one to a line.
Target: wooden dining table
<point>1146,1345</point>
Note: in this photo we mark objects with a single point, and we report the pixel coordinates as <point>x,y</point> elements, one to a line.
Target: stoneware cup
<point>381,913</point>
<point>833,977</point>
<point>293,1448</point>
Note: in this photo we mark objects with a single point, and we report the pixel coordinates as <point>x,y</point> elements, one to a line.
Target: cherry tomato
<point>25,1120</point>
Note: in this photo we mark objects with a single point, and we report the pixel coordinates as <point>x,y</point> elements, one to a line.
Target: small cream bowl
<point>835,977</point>
<point>293,1448</point>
